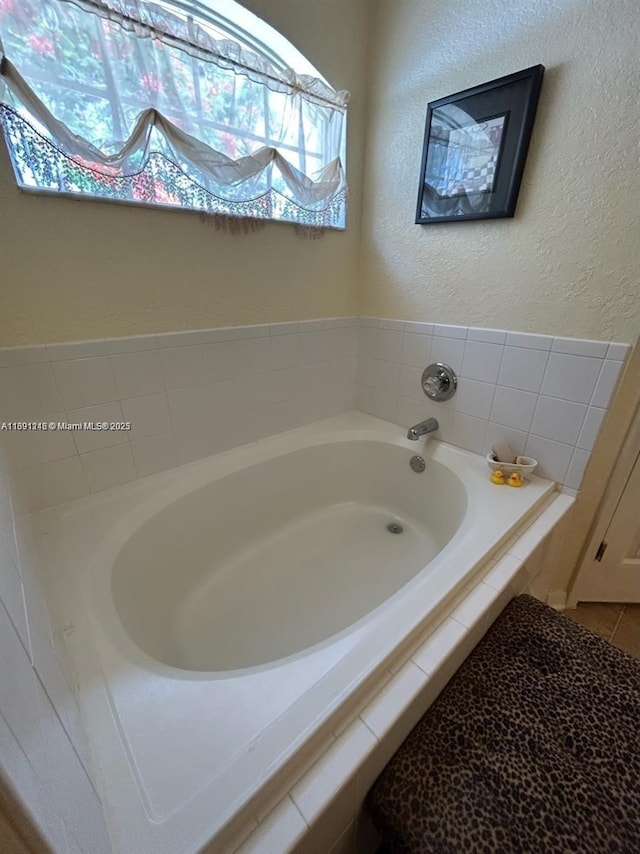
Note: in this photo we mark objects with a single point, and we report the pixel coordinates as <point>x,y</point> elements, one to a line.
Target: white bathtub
<point>222,613</point>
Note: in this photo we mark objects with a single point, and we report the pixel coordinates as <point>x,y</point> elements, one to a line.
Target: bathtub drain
<point>395,528</point>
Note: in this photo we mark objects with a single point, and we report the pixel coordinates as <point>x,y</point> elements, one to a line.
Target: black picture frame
<point>475,147</point>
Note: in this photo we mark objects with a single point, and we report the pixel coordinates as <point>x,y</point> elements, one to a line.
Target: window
<point>173,103</point>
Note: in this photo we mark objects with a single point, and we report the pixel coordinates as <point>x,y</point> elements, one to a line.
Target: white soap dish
<point>523,465</point>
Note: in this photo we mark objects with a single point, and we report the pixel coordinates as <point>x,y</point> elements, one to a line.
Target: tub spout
<point>421,429</point>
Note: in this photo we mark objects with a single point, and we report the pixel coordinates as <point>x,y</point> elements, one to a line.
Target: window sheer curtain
<point>148,102</point>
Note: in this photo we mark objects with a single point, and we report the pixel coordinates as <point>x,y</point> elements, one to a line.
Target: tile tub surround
<point>43,746</point>
<point>192,765</point>
<point>195,393</point>
<point>187,395</point>
<point>546,396</point>
<point>322,809</point>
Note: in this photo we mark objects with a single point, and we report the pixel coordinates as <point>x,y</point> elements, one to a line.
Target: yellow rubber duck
<point>498,477</point>
<point>515,479</point>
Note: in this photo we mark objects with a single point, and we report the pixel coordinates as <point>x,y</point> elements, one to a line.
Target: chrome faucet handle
<point>439,382</point>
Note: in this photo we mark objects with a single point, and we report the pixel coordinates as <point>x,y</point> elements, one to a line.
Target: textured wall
<point>78,269</point>
<point>568,263</point>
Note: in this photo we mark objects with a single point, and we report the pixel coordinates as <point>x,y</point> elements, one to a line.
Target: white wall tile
<point>132,344</point>
<point>223,360</point>
<point>366,371</point>
<point>526,339</point>
<point>137,374</point>
<point>346,342</point>
<point>448,350</point>
<point>553,457</point>
<point>577,467</point>
<point>195,337</point>
<point>183,366</point>
<point>571,377</point>
<point>7,535</point>
<point>468,432</point>
<point>580,347</point>
<point>15,356</point>
<point>38,622</point>
<point>386,376</point>
<point>11,594</point>
<point>368,342</point>
<point>210,437</point>
<point>49,670</point>
<point>108,467</point>
<point>155,453</point>
<point>513,408</point>
<point>148,415</point>
<point>472,609</point>
<point>445,330</point>
<point>48,484</point>
<point>257,355</point>
<point>284,351</point>
<point>93,440</point>
<point>433,652</point>
<point>522,368</point>
<point>388,705</point>
<point>384,404</point>
<point>75,801</point>
<point>318,324</point>
<point>410,383</point>
<point>618,352</point>
<point>391,323</point>
<point>482,361</point>
<point>27,447</point>
<point>256,330</point>
<point>606,383</point>
<point>499,433</point>
<point>388,344</point>
<point>364,398</point>
<point>190,405</point>
<point>30,789</point>
<point>231,372</point>
<point>473,398</point>
<point>591,427</point>
<point>316,346</point>
<point>280,831</point>
<point>560,420</point>
<point>76,350</point>
<point>409,411</point>
<point>83,382</point>
<point>283,328</point>
<point>340,762</point>
<point>488,336</point>
<point>228,397</point>
<point>416,350</point>
<point>502,572</point>
<point>28,392</point>
<point>18,698</point>
<point>418,328</point>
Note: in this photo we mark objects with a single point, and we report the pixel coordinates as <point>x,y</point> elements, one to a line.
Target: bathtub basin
<point>221,614</point>
<point>273,559</point>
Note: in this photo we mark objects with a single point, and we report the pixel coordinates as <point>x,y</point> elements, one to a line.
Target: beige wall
<point>569,262</point>
<point>78,269</point>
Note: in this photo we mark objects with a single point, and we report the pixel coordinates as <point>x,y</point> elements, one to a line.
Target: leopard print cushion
<point>532,747</point>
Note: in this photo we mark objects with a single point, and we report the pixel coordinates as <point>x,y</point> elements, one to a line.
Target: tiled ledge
<point>319,810</point>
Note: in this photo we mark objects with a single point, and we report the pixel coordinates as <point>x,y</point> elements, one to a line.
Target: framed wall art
<point>475,147</point>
